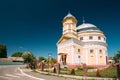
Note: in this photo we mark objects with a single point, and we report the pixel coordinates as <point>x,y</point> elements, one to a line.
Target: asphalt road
<point>15,72</point>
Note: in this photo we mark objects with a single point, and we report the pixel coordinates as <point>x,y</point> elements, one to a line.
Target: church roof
<point>87,27</point>
<point>69,15</point>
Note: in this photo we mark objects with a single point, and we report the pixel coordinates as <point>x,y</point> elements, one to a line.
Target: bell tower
<point>69,26</point>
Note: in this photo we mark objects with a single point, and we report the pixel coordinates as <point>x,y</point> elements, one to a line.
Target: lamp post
<point>49,57</point>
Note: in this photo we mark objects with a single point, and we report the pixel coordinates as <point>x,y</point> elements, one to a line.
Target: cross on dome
<point>69,15</point>
<point>83,19</point>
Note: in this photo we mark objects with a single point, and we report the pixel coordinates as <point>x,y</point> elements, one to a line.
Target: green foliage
<point>17,54</point>
<point>72,71</point>
<point>79,71</point>
<point>3,51</point>
<point>117,56</point>
<point>28,57</point>
<point>51,60</point>
<point>41,58</point>
<point>64,71</point>
<point>109,72</point>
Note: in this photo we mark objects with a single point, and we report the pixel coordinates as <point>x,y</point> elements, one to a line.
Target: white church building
<point>81,44</point>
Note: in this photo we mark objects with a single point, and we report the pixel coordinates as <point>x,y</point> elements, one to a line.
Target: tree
<point>51,60</point>
<point>41,58</point>
<point>17,54</point>
<point>117,56</point>
<point>28,57</point>
<point>3,51</point>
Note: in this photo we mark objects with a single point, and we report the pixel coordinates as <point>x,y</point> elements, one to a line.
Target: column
<point>86,56</point>
<point>97,56</point>
<point>73,54</point>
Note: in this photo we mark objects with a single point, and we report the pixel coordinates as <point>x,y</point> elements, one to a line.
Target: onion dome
<point>69,16</point>
<point>87,27</point>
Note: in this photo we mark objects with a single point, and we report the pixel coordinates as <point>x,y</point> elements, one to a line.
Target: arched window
<point>78,50</point>
<point>81,38</point>
<point>100,51</point>
<point>104,39</point>
<point>91,50</point>
<point>99,38</point>
<point>79,57</point>
<point>90,37</point>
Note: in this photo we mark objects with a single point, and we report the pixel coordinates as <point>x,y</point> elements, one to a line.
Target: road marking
<point>18,74</point>
<point>4,77</point>
<point>29,75</point>
<point>12,75</point>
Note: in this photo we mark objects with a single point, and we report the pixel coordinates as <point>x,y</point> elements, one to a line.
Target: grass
<point>108,73</point>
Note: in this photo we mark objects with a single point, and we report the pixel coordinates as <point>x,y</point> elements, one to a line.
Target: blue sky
<point>35,25</point>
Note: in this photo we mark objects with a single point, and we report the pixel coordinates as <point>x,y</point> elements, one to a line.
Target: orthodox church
<point>83,44</point>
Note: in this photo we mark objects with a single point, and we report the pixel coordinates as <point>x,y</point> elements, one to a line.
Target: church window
<point>78,50</point>
<point>99,38</point>
<point>91,51</point>
<point>90,37</point>
<point>104,39</point>
<point>81,38</point>
<point>100,51</point>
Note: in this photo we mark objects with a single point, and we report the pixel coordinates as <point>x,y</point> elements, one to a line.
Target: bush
<point>72,71</point>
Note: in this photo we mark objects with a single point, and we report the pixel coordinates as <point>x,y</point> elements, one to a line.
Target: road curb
<point>77,77</point>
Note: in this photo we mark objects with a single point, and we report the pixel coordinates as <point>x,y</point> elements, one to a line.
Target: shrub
<point>72,71</point>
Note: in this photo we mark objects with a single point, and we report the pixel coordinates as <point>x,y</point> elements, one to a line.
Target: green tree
<point>51,60</point>
<point>41,58</point>
<point>117,56</point>
<point>3,51</point>
<point>17,54</point>
<point>28,57</point>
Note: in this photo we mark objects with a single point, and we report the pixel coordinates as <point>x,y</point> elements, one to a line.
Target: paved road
<point>13,72</point>
<point>16,72</point>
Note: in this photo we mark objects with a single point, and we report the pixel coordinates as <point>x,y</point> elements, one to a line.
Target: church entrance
<point>62,58</point>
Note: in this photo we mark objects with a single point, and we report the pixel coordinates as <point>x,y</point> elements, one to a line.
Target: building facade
<point>83,44</point>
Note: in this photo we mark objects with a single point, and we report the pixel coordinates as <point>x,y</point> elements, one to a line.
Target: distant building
<point>12,59</point>
<point>111,61</point>
<point>83,44</point>
<point>16,59</point>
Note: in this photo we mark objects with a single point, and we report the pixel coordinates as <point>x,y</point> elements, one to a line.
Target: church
<point>83,44</point>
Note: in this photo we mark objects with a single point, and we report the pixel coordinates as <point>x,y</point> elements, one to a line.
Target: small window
<point>78,50</point>
<point>81,38</point>
<point>100,51</point>
<point>91,51</point>
<point>90,37</point>
<point>104,39</point>
<point>99,38</point>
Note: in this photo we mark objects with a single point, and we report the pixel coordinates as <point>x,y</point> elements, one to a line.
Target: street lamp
<point>49,56</point>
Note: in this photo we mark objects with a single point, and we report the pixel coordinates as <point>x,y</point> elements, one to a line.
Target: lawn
<point>109,72</point>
